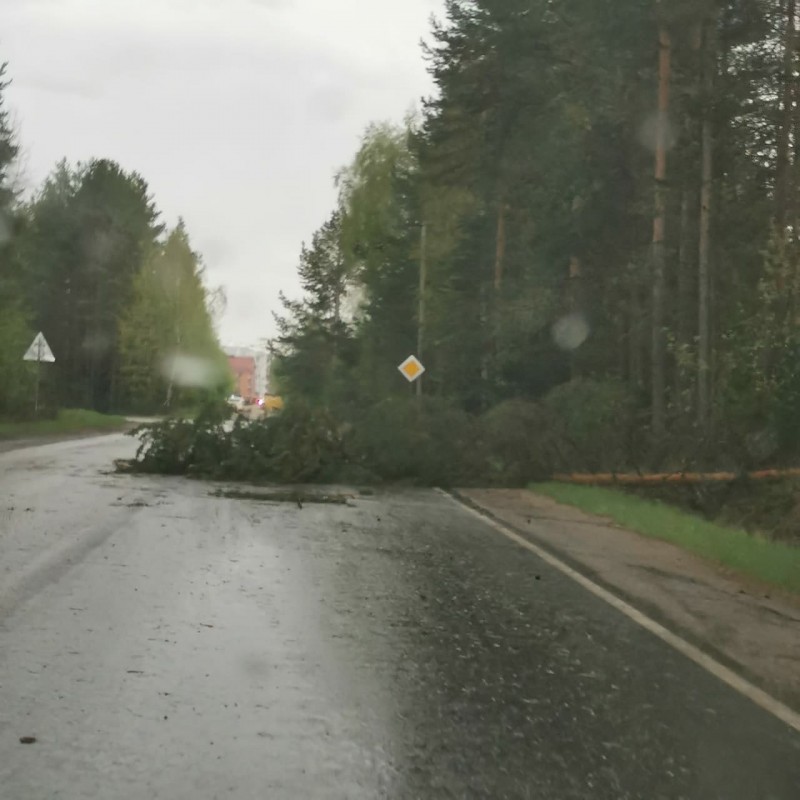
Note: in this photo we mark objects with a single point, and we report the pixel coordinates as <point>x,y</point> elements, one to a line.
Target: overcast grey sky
<point>237,113</point>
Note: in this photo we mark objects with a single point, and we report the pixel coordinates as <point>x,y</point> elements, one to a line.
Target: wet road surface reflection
<point>198,647</point>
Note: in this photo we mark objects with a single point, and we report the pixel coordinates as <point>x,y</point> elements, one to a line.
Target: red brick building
<point>244,370</point>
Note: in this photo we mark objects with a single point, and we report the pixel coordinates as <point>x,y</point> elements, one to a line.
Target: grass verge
<point>772,562</point>
<point>68,421</point>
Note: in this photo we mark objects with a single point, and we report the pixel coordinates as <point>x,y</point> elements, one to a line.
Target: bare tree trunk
<point>178,340</point>
<point>423,281</point>
<point>659,231</point>
<point>704,249</point>
<point>793,179</point>
<point>793,206</point>
<point>686,313</point>
<point>575,276</point>
<point>500,252</point>
<point>487,326</point>
<point>493,308</point>
<point>686,274</point>
<point>575,301</point>
<point>783,176</point>
<point>636,339</point>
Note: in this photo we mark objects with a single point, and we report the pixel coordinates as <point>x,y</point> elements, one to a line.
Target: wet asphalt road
<point>163,643</point>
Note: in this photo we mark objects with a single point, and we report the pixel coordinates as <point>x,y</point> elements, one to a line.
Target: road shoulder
<point>7,445</point>
<point>749,627</point>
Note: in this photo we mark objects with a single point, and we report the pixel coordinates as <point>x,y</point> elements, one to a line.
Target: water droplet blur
<point>190,371</point>
<point>570,332</point>
<point>654,125</point>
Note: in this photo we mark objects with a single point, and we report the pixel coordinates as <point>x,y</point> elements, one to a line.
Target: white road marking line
<point>727,676</point>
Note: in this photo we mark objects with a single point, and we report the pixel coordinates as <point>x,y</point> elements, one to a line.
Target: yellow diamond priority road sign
<point>412,369</point>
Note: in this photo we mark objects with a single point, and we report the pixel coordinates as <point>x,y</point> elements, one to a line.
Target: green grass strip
<point>68,421</point>
<point>772,562</point>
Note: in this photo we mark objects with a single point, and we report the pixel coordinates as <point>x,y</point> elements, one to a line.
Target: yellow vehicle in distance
<point>272,403</point>
<point>263,407</point>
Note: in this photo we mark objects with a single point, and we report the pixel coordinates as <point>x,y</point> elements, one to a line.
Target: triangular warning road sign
<point>39,350</point>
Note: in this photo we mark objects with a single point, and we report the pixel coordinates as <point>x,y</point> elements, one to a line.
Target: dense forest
<point>120,299</point>
<point>590,236</point>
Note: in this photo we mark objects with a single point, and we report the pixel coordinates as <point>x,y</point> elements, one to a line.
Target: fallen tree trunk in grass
<point>630,479</point>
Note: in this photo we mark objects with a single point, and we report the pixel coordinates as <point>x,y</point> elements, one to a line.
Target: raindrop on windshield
<point>570,332</point>
<point>190,371</point>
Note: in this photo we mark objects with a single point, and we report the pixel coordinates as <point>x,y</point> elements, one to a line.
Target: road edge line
<point>762,699</point>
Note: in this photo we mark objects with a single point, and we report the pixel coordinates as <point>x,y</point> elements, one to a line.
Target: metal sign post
<point>39,351</point>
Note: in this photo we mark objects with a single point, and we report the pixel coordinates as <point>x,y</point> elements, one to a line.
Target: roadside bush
<point>521,443</point>
<point>430,443</point>
<point>596,423</point>
<point>180,446</point>
<point>583,425</point>
<point>165,448</point>
<point>19,377</point>
<point>249,452</point>
<point>299,445</point>
<point>454,449</point>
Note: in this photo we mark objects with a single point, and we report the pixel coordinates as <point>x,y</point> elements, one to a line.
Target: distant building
<point>250,367</point>
<point>261,374</point>
<point>244,371</point>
